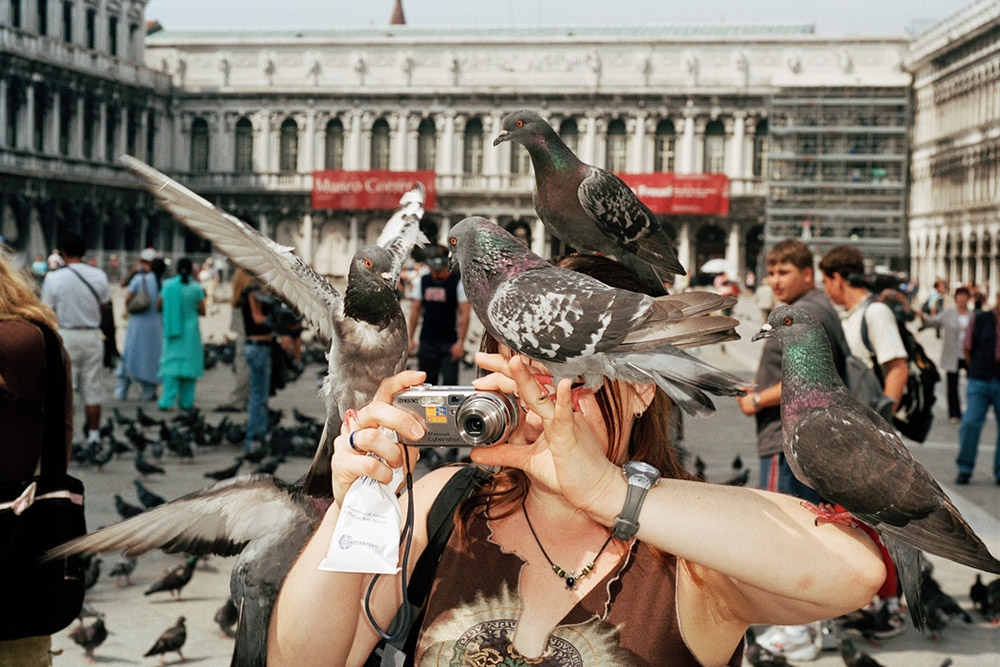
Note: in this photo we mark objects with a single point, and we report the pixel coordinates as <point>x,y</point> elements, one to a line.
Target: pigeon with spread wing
<point>364,328</point>
<point>264,520</point>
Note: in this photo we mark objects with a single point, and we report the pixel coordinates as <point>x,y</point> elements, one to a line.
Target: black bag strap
<point>53,407</point>
<point>876,368</point>
<point>100,304</point>
<point>440,524</point>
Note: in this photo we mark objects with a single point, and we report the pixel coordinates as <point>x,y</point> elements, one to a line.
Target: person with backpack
<point>979,346</point>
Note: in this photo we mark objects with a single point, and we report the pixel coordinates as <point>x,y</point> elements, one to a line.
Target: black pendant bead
<point>570,582</point>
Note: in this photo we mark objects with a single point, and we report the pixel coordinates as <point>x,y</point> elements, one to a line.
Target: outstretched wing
<point>402,231</point>
<point>220,519</point>
<point>624,219</point>
<point>274,265</point>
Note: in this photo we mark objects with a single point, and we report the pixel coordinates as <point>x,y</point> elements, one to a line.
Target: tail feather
<point>679,332</point>
<point>657,251</point>
<point>945,533</point>
<point>909,569</point>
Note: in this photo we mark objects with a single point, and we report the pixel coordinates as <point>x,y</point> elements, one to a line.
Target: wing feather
<point>220,519</point>
<point>402,230</point>
<point>274,265</point>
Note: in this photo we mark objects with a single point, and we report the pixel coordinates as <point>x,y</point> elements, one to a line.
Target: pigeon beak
<point>452,262</point>
<point>502,137</point>
<point>765,332</point>
<point>386,276</point>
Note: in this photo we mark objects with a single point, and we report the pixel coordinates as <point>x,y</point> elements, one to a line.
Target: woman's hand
<point>349,462</point>
<point>554,445</point>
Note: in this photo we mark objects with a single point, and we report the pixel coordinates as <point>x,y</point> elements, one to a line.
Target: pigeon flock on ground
<point>576,326</point>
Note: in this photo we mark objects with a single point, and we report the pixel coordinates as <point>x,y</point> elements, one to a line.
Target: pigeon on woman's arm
<point>849,454</point>
<point>577,326</point>
<point>590,208</point>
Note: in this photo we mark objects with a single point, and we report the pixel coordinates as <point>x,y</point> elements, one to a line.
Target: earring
<point>638,413</point>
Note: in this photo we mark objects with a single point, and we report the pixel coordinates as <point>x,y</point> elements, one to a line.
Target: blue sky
<point>831,17</point>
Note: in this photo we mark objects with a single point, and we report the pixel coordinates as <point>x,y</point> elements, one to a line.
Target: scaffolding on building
<point>837,170</point>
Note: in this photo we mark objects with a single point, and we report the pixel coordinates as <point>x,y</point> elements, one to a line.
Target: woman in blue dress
<point>181,301</point>
<point>140,360</point>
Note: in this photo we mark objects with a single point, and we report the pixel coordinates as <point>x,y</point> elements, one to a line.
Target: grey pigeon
<point>364,328</point>
<point>170,641</point>
<point>226,617</point>
<point>264,520</point>
<point>578,326</point>
<point>852,457</point>
<point>123,568</point>
<point>89,637</point>
<point>855,657</point>
<point>147,497</point>
<point>174,580</point>
<point>590,208</point>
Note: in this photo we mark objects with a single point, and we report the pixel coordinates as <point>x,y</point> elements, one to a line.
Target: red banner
<point>681,194</point>
<point>368,190</point>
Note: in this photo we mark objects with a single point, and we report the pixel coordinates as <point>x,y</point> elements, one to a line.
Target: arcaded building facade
<point>955,192</point>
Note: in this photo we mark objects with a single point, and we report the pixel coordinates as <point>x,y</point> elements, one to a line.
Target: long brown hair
<point>17,298</point>
<point>651,438</point>
<point>241,280</point>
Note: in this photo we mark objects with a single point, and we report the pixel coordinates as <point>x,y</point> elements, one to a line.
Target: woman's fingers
<point>394,384</point>
<point>495,382</point>
<point>507,454</point>
<point>405,423</point>
<point>533,395</point>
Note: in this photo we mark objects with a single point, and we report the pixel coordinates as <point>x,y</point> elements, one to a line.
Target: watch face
<point>641,474</point>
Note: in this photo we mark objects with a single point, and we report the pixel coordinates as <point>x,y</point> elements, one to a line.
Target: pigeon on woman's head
<point>590,208</point>
<point>578,326</point>
<point>849,454</point>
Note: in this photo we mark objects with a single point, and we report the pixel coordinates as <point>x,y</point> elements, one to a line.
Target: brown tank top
<point>629,618</point>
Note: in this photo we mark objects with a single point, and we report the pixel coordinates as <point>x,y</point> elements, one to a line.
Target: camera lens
<point>486,418</point>
<point>474,425</point>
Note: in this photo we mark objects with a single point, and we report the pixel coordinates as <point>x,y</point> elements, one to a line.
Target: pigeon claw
<point>350,414</point>
<point>826,513</point>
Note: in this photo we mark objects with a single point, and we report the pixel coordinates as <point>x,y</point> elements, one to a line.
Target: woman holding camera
<point>560,559</point>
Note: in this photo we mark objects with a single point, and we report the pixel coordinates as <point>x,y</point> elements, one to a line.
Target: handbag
<point>140,301</point>
<point>42,597</point>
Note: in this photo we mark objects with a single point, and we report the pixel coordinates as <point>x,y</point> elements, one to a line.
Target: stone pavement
<point>135,621</point>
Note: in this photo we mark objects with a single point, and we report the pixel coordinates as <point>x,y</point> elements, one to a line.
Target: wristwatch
<point>641,477</point>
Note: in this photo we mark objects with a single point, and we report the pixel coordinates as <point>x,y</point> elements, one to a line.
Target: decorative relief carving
<point>845,61</point>
<point>692,66</point>
<point>793,60</point>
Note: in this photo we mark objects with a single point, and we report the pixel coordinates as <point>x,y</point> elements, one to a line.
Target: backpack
<point>440,524</point>
<point>866,387</point>
<point>914,417</point>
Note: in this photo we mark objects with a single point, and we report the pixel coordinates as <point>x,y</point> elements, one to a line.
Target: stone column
<point>100,137</point>
<point>993,276</point>
<point>538,240</point>
<point>636,127</point>
<point>684,246</point>
<point>588,150</point>
<point>399,123</point>
<point>980,255</point>
<point>143,131</point>
<point>446,148</point>
<point>355,239</point>
<point>3,93</point>
<point>366,141</point>
<point>262,139</point>
<point>698,152</point>
<point>307,238</point>
<point>307,140</point>
<point>444,229</point>
<point>264,227</point>
<point>52,135</point>
<point>28,139</point>
<point>352,157</point>
<point>491,156</point>
<point>966,253</point>
<point>733,255</point>
<point>735,168</point>
<point>685,157</point>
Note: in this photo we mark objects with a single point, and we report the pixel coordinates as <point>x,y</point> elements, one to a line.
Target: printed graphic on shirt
<point>485,632</point>
<point>435,294</point>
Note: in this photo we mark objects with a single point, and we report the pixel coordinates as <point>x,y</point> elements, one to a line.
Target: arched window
<point>472,148</point>
<point>89,125</point>
<point>715,148</point>
<point>663,146</point>
<point>616,146</point>
<point>288,150</point>
<point>380,144</point>
<point>112,114</point>
<point>334,144</point>
<point>569,133</point>
<point>15,101</point>
<point>66,107</point>
<point>520,161</point>
<point>426,145</point>
<point>243,153</point>
<point>199,144</point>
<point>760,149</point>
<point>132,131</point>
<point>41,115</point>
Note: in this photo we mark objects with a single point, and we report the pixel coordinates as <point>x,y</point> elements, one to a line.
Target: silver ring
<point>353,446</point>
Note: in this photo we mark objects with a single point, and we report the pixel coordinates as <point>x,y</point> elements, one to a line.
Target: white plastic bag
<point>366,538</point>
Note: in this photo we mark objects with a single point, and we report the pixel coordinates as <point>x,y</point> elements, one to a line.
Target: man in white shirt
<point>843,282</point>
<point>75,292</point>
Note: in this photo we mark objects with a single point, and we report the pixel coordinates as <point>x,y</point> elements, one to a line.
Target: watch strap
<point>627,523</point>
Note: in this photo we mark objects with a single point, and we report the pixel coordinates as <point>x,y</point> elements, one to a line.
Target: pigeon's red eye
<point>453,241</point>
<point>368,264</point>
<point>519,123</point>
<point>787,321</point>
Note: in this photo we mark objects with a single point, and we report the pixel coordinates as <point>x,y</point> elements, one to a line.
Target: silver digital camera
<point>460,416</point>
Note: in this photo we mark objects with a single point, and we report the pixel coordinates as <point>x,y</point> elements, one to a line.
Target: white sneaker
<point>793,642</point>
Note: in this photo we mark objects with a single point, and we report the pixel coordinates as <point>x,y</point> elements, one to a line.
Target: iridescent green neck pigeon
<point>364,328</point>
<point>578,326</point>
<point>852,457</point>
<point>590,208</point>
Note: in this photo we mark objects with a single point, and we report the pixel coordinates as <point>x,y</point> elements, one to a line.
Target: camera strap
<point>440,524</point>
